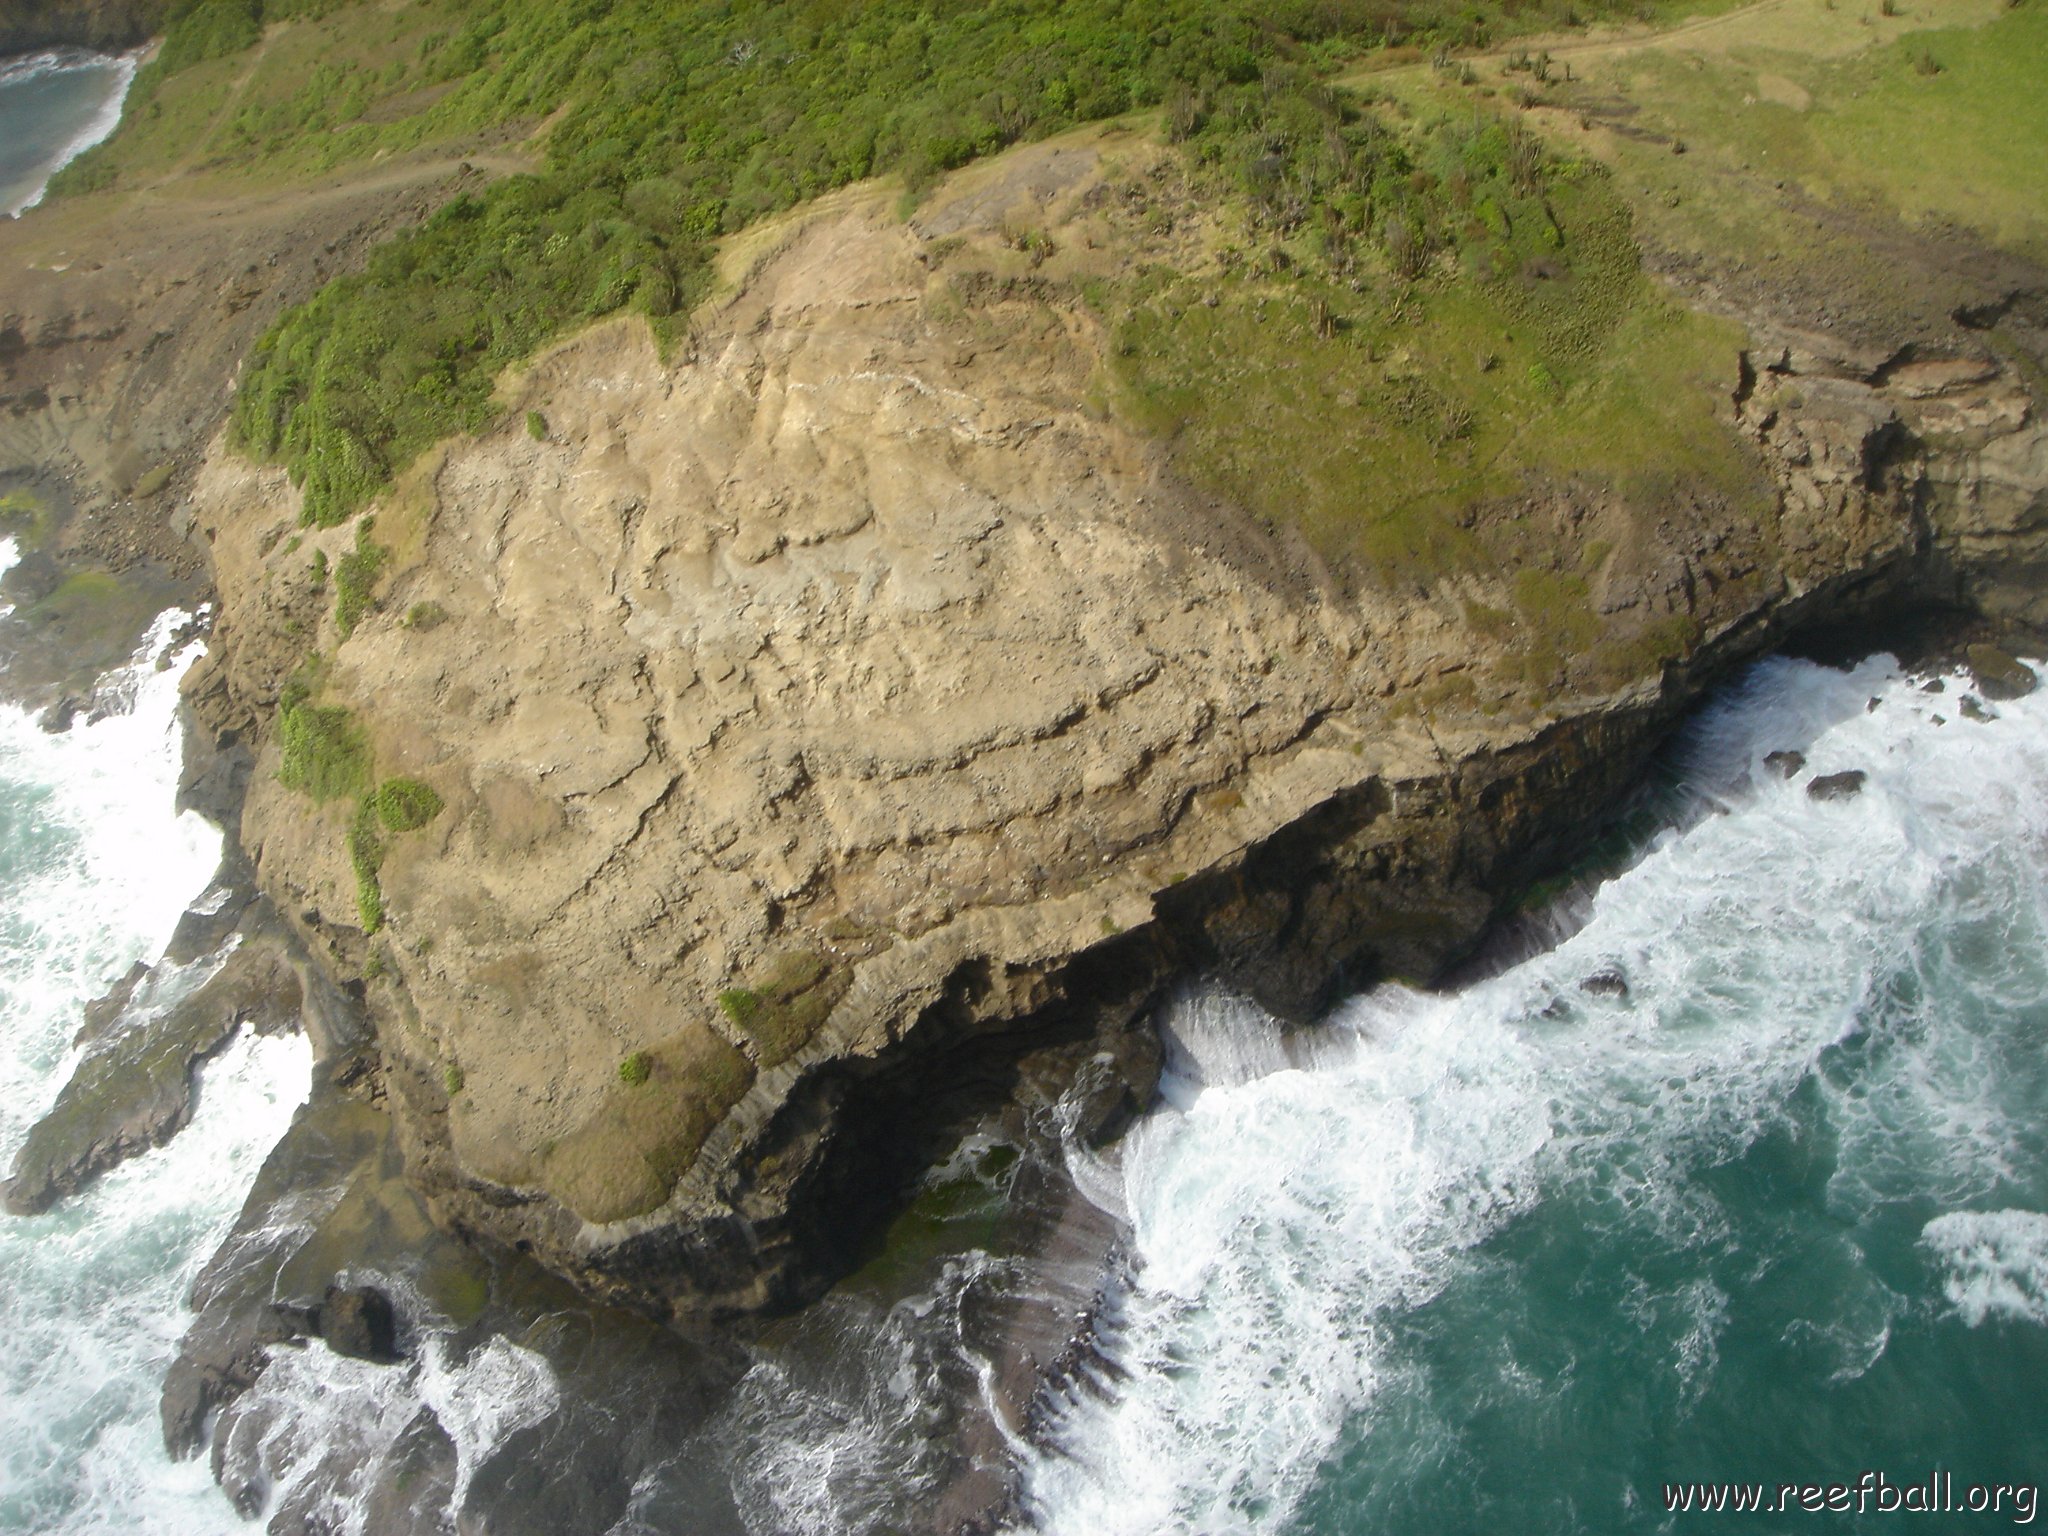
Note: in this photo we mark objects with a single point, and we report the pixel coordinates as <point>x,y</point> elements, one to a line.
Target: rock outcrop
<point>823,713</point>
<point>142,1042</point>
<point>107,26</point>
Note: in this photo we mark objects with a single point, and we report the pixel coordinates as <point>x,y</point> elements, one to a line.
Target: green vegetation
<point>153,482</point>
<point>405,805</point>
<point>325,753</point>
<point>636,1069</point>
<point>451,1079</point>
<point>26,517</point>
<point>366,860</point>
<point>780,1012</point>
<point>1428,313</point>
<point>536,426</point>
<point>1872,129</point>
<point>355,578</point>
<point>670,124</point>
<point>424,616</point>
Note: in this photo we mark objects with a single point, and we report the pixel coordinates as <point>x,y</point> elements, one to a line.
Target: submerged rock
<point>1606,983</point>
<point>1787,764</point>
<point>1837,786</point>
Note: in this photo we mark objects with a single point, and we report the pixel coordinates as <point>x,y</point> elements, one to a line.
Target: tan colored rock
<point>816,702</point>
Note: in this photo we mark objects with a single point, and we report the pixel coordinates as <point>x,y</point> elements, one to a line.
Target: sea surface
<point>96,866</point>
<point>1741,1176</point>
<point>53,107</point>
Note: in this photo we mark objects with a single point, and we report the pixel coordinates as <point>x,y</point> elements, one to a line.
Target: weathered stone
<point>358,1321</point>
<point>132,1090</point>
<point>1837,786</point>
<point>1999,674</point>
<point>1786,764</point>
<point>1605,983</point>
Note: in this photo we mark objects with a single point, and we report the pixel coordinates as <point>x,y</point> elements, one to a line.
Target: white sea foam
<point>1288,1206</point>
<point>96,129</point>
<point>1997,1263</point>
<point>95,867</point>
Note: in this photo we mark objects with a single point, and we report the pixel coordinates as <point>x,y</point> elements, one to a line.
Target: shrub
<point>536,426</point>
<point>405,805</point>
<point>424,616</point>
<point>325,754</point>
<point>366,858</point>
<point>355,578</point>
<point>636,1069</point>
<point>451,1079</point>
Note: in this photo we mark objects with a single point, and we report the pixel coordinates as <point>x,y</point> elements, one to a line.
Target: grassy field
<point>1894,118</point>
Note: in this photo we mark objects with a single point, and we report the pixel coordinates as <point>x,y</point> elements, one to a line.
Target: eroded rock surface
<point>822,710</point>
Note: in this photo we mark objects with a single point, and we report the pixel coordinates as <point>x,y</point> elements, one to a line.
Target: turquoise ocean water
<point>53,107</point>
<point>1764,1204</point>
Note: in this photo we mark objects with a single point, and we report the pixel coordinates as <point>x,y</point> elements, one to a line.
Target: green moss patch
<point>625,1160</point>
<point>355,580</point>
<point>785,1005</point>
<point>325,753</point>
<point>406,805</point>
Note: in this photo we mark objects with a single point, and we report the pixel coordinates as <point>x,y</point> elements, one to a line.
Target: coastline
<point>1888,469</point>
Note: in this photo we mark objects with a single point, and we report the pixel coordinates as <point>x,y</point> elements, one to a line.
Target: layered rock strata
<point>827,712</point>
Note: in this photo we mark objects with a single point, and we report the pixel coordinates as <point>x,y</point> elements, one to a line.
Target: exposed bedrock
<point>106,25</point>
<point>831,712</point>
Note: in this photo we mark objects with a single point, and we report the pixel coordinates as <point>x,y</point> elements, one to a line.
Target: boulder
<point>1999,674</point>
<point>1837,786</point>
<point>358,1321</point>
<point>1785,763</point>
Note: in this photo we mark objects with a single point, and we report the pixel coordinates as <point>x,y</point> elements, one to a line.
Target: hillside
<point>782,573</point>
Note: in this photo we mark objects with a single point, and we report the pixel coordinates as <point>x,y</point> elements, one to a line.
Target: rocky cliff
<point>820,717</point>
<point>106,26</point>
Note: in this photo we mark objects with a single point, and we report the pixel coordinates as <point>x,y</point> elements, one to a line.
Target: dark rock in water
<point>57,719</point>
<point>1786,763</point>
<point>1606,983</point>
<point>1837,786</point>
<point>104,1011</point>
<point>1115,1086</point>
<point>238,1463</point>
<point>1934,685</point>
<point>417,1482</point>
<point>1999,674</point>
<point>358,1321</point>
<point>133,1089</point>
<point>1973,709</point>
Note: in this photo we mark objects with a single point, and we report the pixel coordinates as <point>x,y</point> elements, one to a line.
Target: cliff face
<point>828,713</point>
<point>106,26</point>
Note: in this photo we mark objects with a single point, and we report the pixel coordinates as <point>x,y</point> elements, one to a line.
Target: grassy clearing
<point>1918,123</point>
<point>1378,415</point>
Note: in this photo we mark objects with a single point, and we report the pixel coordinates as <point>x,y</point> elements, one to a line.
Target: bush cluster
<point>684,122</point>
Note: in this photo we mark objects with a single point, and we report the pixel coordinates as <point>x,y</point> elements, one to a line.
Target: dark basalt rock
<point>1786,764</point>
<point>1115,1086</point>
<point>1973,709</point>
<point>1999,674</point>
<point>1605,983</point>
<point>1837,786</point>
<point>358,1321</point>
<point>133,1088</point>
